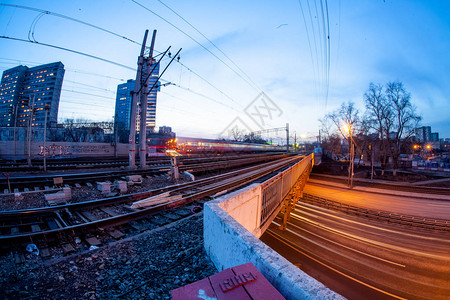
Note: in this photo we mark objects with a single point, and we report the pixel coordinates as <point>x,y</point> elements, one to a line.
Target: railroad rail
<point>385,185</point>
<point>106,162</point>
<point>191,165</point>
<point>82,218</point>
<point>390,217</point>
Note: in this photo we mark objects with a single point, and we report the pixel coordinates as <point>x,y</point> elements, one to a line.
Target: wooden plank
<point>115,233</point>
<point>172,216</point>
<point>109,211</point>
<point>194,291</point>
<point>221,281</point>
<point>52,224</point>
<point>154,200</point>
<point>90,216</point>
<point>35,228</point>
<point>67,248</point>
<point>183,212</point>
<point>158,220</point>
<point>259,289</point>
<point>93,241</point>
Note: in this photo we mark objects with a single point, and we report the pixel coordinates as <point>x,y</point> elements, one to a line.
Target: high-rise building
<point>27,91</point>
<point>423,134</point>
<point>434,137</point>
<point>123,104</point>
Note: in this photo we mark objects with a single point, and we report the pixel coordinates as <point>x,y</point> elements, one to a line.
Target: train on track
<point>186,146</point>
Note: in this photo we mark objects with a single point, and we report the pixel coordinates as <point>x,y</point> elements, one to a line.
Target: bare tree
<point>346,115</point>
<point>377,116</point>
<point>403,119</point>
<point>346,118</point>
<point>236,134</point>
<point>331,141</point>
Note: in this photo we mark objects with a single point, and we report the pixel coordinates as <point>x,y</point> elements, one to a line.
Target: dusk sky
<point>276,47</point>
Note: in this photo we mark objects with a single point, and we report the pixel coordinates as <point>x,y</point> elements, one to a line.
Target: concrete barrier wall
<point>228,244</point>
<point>60,149</point>
<point>245,208</point>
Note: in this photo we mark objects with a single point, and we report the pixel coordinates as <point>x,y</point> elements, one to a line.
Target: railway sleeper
<point>114,233</point>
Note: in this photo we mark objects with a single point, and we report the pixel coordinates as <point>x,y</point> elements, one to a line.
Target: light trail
<point>273,234</point>
<point>336,243</point>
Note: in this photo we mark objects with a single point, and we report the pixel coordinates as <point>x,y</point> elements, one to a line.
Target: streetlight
<point>347,128</point>
<point>47,108</point>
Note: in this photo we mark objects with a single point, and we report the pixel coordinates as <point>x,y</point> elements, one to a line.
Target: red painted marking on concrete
<point>261,288</point>
<point>237,280</point>
<point>242,282</point>
<point>237,293</point>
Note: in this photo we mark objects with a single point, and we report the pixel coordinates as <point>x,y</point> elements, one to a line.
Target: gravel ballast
<point>145,266</point>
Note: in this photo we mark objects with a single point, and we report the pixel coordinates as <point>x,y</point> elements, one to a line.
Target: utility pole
<point>135,97</point>
<point>116,136</point>
<point>352,157</point>
<point>144,104</point>
<point>30,122</point>
<point>287,137</point>
<point>15,125</point>
<point>47,107</point>
<point>371,173</point>
<point>353,161</point>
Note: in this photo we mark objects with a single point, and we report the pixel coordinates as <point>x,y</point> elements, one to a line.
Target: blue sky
<point>370,41</point>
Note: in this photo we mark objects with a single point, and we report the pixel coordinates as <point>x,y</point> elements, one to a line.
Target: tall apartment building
<point>24,90</point>
<point>423,134</point>
<point>123,105</point>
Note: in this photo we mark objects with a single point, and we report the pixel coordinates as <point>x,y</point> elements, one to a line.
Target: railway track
<point>191,165</point>
<point>379,215</point>
<point>89,163</point>
<point>91,223</point>
<point>385,185</point>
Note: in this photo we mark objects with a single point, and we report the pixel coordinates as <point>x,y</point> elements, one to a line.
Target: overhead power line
<point>214,45</point>
<point>69,50</point>
<point>68,18</point>
<point>43,12</point>
<point>198,43</point>
<point>321,45</point>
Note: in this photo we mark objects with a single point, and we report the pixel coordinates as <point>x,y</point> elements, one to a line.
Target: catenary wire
<point>198,43</point>
<point>213,44</point>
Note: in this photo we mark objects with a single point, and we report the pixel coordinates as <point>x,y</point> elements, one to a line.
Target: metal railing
<point>276,189</point>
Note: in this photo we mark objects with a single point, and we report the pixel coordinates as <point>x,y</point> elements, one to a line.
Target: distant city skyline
<point>306,61</point>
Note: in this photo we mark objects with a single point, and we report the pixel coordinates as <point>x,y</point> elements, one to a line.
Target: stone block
<point>121,186</point>
<point>56,198</point>
<point>104,187</point>
<point>67,193</point>
<point>136,179</point>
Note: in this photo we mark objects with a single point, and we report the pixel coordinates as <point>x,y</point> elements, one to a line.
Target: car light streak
<point>374,243</point>
<point>310,207</point>
<point>336,243</point>
<point>273,234</point>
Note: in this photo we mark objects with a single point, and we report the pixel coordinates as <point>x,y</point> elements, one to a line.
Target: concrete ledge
<point>229,244</point>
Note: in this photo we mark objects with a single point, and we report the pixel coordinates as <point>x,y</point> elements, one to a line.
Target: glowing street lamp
<point>347,128</point>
